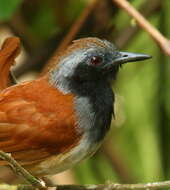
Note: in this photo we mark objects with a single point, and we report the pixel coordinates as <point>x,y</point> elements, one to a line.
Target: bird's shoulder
<point>36,117</point>
<point>39,95</point>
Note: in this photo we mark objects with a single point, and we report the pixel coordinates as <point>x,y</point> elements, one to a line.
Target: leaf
<point>7,8</point>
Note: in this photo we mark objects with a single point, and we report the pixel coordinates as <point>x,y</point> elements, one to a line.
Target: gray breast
<point>94,113</point>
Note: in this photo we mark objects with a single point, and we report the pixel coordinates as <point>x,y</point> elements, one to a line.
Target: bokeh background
<point>137,149</point>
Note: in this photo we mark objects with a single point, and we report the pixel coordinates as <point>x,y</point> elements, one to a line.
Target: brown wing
<point>36,121</point>
<point>9,51</point>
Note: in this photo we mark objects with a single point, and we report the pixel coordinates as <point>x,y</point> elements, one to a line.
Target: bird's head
<point>89,61</point>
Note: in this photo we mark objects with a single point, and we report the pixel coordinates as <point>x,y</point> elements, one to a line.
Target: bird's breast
<point>93,122</point>
<point>94,114</point>
<point>59,163</point>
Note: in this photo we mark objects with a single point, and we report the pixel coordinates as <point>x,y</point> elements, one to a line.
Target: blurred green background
<point>137,149</point>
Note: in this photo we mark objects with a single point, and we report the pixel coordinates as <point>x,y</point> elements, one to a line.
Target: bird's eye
<point>96,60</point>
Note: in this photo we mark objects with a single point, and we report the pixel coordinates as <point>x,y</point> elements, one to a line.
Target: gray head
<point>89,61</point>
<point>86,69</point>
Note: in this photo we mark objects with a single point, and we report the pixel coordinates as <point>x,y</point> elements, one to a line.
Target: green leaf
<point>7,8</point>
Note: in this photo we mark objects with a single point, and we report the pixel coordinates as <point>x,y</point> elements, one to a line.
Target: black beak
<point>125,57</point>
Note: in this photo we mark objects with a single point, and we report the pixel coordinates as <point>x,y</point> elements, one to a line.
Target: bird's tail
<point>9,51</point>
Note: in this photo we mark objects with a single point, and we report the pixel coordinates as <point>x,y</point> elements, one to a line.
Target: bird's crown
<point>85,43</point>
<point>82,44</point>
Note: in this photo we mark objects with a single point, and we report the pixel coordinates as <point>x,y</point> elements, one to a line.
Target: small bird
<point>51,123</point>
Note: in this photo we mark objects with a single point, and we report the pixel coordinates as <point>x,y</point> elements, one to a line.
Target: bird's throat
<point>94,112</point>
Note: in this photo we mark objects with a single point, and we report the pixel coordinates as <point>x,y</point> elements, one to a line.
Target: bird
<point>51,123</point>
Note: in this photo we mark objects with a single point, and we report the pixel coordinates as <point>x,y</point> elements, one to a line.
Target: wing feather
<point>33,128</point>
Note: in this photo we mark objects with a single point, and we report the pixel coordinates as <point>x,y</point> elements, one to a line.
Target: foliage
<point>7,8</point>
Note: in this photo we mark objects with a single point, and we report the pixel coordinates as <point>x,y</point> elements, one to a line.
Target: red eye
<point>96,60</point>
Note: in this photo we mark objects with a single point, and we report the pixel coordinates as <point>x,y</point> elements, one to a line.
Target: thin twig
<point>73,30</point>
<point>35,183</point>
<point>162,41</point>
<point>111,186</point>
<point>125,36</point>
<point>19,170</point>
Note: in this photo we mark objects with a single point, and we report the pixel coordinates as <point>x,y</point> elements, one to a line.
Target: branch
<point>124,36</point>
<point>20,171</point>
<point>162,41</point>
<point>111,186</point>
<point>115,186</point>
<point>37,184</point>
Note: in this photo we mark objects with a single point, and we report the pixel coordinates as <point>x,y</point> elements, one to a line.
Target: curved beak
<point>125,57</point>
